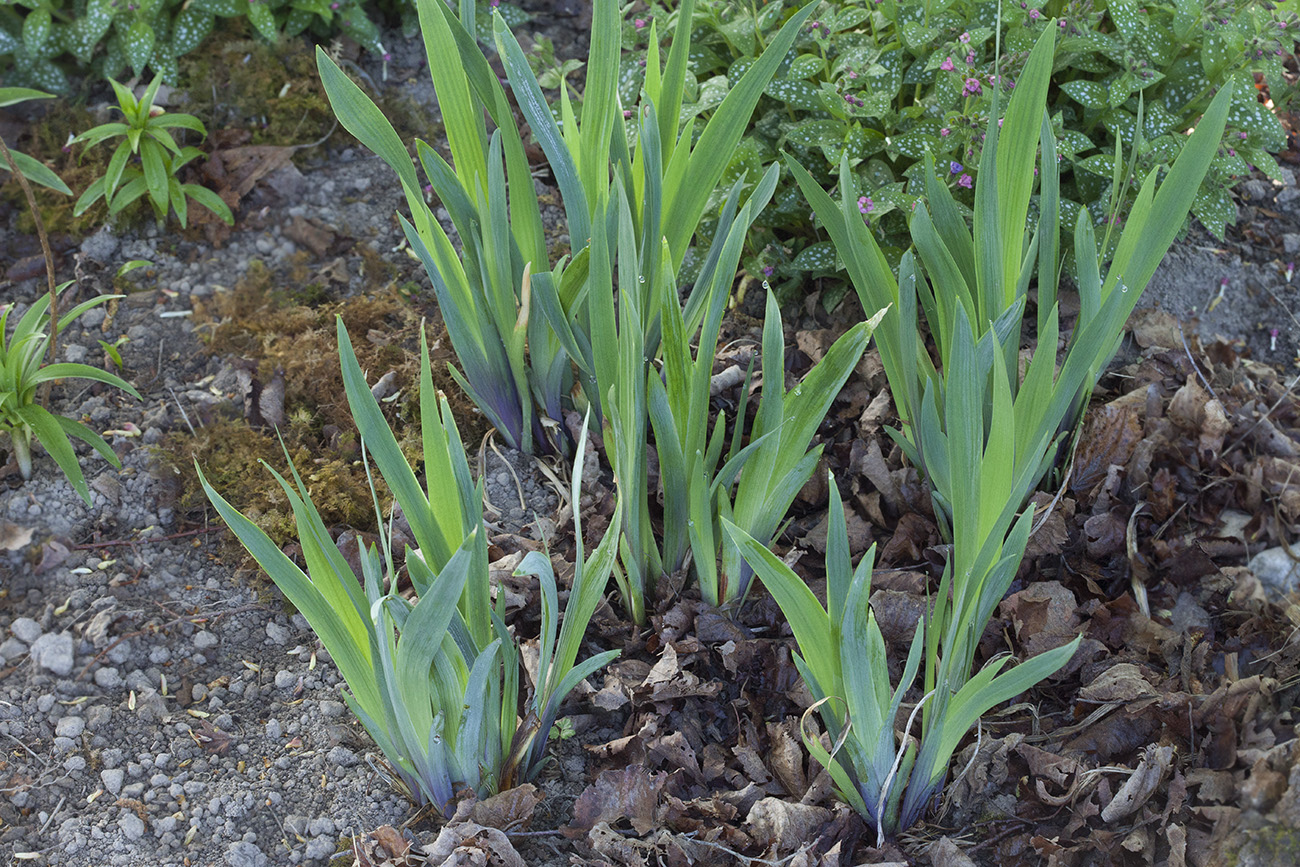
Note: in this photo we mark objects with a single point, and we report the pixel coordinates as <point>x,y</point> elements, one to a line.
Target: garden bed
<point>161,704</point>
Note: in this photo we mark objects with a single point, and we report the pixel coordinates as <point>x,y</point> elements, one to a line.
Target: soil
<point>161,704</point>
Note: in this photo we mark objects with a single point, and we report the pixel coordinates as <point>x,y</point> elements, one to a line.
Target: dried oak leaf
<point>631,793</point>
<point>14,537</point>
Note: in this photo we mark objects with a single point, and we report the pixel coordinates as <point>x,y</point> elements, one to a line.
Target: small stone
<point>331,709</point>
<point>204,640</point>
<point>112,779</point>
<point>273,730</point>
<point>132,825</point>
<point>295,824</point>
<point>26,629</point>
<point>285,679</point>
<point>343,757</point>
<point>1276,571</point>
<point>277,632</point>
<point>44,703</point>
<point>70,727</point>
<point>53,652</point>
<point>1291,243</point>
<point>74,764</point>
<point>12,648</point>
<point>245,854</point>
<point>108,678</point>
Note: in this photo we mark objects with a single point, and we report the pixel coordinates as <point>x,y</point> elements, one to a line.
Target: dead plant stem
<point>49,260</point>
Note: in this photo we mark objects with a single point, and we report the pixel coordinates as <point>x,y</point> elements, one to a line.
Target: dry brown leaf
<point>782,827</point>
<point>945,853</point>
<point>1141,784</point>
<point>1043,615</point>
<point>1110,435</point>
<point>1122,682</point>
<point>508,810</point>
<point>14,537</point>
<point>630,793</point>
<point>785,756</point>
<point>464,844</point>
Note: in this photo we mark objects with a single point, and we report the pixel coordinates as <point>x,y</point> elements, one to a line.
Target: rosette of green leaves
<point>435,681</point>
<point>32,169</point>
<point>157,161</point>
<point>984,435</point>
<point>21,373</point>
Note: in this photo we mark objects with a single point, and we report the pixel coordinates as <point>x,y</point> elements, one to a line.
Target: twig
<point>1196,367</point>
<point>1266,414</point>
<point>118,543</point>
<point>49,261</point>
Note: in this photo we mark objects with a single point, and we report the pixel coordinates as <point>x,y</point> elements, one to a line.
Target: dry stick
<point>49,261</point>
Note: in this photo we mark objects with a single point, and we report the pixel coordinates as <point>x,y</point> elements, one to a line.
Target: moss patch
<point>267,323</point>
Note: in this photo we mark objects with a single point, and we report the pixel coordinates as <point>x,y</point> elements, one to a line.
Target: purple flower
<point>1242,135</point>
<point>639,22</point>
<point>865,205</point>
<point>972,87</point>
<point>627,113</point>
<point>965,37</point>
<point>1231,152</point>
<point>852,75</point>
<point>387,57</point>
<point>970,58</point>
<point>965,181</point>
<point>767,270</point>
<point>944,132</point>
<point>334,6</point>
<point>954,168</point>
<point>946,66</point>
<point>1061,24</point>
<point>1034,14</point>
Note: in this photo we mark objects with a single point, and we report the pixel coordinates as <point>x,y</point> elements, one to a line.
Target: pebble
<point>108,678</point>
<point>26,629</point>
<point>132,825</point>
<point>204,640</point>
<point>331,709</point>
<point>53,652</point>
<point>277,632</point>
<point>245,854</point>
<point>112,778</point>
<point>273,729</point>
<point>1277,573</point>
<point>285,679</point>
<point>70,727</point>
<point>343,757</point>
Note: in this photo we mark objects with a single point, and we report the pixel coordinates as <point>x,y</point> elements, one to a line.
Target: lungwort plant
<point>434,678</point>
<point>983,434</point>
<point>21,374</point>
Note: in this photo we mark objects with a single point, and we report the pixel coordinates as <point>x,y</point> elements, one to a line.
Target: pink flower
<point>965,37</point>
<point>1035,14</point>
<point>387,56</point>
<point>965,181</point>
<point>946,66</point>
<point>972,87</point>
<point>334,5</point>
<point>1242,135</point>
<point>852,75</point>
<point>640,23</point>
<point>865,205</point>
<point>627,113</point>
<point>943,133</point>
<point>970,58</point>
